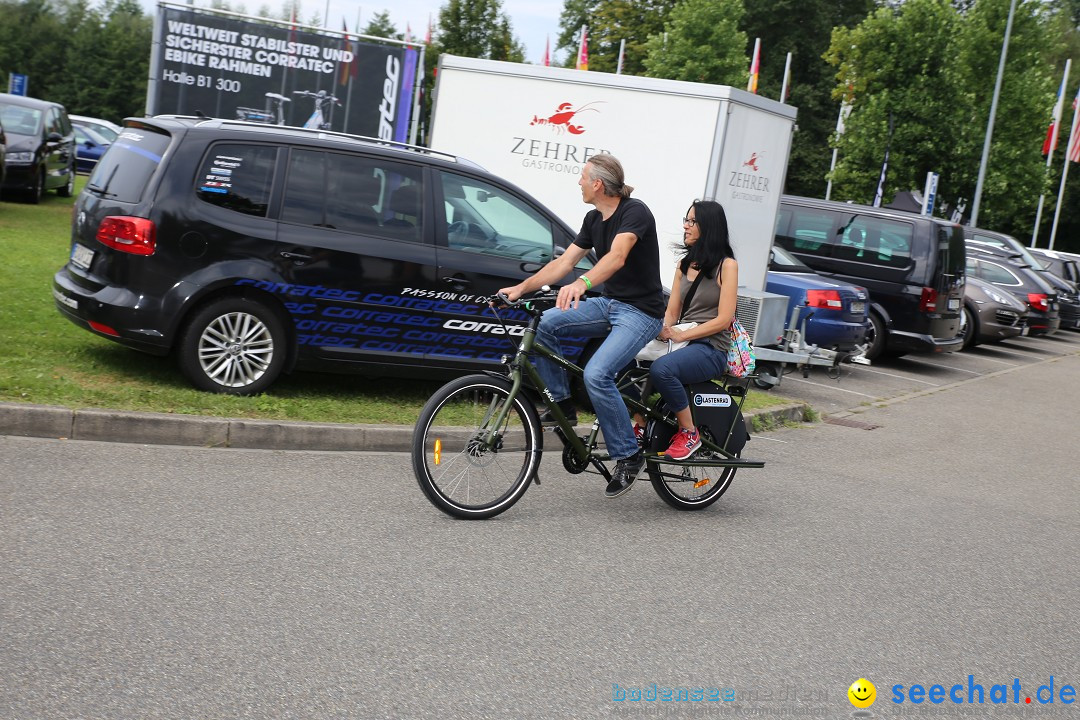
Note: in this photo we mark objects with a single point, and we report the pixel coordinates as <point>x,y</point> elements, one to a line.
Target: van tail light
<point>928,300</point>
<point>829,299</point>
<point>134,235</point>
<point>1039,301</point>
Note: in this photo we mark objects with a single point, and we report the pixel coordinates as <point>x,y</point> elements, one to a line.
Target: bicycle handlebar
<point>546,296</point>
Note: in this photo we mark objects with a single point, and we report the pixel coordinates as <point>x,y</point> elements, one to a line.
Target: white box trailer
<point>678,142</point>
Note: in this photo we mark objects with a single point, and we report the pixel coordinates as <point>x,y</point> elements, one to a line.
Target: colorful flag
<point>583,50</point>
<point>427,37</point>
<point>1050,144</point>
<point>408,33</point>
<point>1073,153</point>
<point>547,52</point>
<point>755,67</point>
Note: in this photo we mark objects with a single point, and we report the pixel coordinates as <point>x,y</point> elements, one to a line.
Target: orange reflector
<point>438,451</point>
<point>702,483</point>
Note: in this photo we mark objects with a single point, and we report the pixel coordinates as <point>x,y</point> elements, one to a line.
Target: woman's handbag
<point>658,348</point>
<point>740,359</point>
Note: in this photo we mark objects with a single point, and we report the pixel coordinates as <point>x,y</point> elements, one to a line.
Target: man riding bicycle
<point>628,315</point>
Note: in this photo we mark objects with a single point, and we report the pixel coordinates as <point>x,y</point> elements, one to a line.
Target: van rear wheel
<point>234,346</point>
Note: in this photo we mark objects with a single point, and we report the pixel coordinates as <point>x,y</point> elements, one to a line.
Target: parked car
<point>41,147</point>
<point>1068,299</point>
<point>1006,270</point>
<point>89,149</point>
<point>912,265</point>
<point>3,154</point>
<point>248,250</point>
<point>990,313</point>
<point>1062,264</point>
<point>832,314</point>
<point>104,128</point>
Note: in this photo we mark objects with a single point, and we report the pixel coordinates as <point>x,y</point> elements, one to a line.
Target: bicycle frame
<point>521,368</point>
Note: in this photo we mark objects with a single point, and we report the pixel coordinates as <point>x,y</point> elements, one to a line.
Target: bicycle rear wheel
<point>695,487</point>
<point>460,472</point>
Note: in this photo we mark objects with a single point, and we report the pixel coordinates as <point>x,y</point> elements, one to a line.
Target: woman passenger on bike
<point>708,256</point>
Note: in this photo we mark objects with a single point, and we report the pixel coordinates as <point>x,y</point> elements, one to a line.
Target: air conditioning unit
<point>763,315</point>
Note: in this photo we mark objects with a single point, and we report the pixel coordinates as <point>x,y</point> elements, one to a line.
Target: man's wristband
<point>588,283</point>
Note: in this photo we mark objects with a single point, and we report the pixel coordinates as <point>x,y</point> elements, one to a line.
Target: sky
<point>533,21</point>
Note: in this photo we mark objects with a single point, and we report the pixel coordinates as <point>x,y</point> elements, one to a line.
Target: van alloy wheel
<point>234,346</point>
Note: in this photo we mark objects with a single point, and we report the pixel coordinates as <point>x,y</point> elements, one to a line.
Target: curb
<point>45,421</point>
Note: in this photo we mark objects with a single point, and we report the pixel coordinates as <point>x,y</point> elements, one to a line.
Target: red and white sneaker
<point>683,445</point>
<point>639,434</point>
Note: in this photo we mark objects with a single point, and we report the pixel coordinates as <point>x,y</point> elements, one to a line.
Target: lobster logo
<point>752,163</point>
<point>562,117</point>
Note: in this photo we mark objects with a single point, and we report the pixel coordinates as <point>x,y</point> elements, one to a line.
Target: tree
<point>701,43</point>
<point>381,26</point>
<point>803,28</point>
<point>477,28</point>
<point>634,21</point>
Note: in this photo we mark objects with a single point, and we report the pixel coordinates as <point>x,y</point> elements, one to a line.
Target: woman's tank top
<point>703,307</point>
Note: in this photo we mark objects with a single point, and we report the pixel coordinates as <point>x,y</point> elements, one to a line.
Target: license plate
<point>858,306</point>
<point>954,303</point>
<point>82,256</point>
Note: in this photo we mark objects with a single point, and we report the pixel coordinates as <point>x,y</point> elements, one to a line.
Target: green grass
<point>45,359</point>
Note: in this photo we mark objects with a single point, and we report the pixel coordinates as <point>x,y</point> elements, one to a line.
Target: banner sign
<point>241,69</point>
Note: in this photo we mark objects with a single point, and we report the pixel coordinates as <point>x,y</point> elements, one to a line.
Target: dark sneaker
<point>626,472</point>
<point>683,445</point>
<point>568,409</point>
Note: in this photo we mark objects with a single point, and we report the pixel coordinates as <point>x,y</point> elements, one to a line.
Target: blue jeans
<point>697,362</point>
<point>626,330</point>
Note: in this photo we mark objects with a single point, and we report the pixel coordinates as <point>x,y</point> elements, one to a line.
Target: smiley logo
<point>862,693</point>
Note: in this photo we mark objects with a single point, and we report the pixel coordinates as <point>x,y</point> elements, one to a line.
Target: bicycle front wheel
<point>692,487</point>
<point>468,463</point>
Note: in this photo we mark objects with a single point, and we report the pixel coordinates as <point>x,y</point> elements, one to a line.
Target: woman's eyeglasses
<point>689,221</point>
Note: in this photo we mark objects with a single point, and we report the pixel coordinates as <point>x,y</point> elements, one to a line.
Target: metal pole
<point>787,78</point>
<point>1050,151</point>
<point>845,110</point>
<point>419,83</point>
<point>990,123</point>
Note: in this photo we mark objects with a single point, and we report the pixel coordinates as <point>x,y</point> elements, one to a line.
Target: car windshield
<point>84,133</point>
<point>784,261</point>
<point>20,120</point>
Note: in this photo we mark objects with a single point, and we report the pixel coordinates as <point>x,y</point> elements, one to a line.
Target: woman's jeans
<point>697,362</point>
<point>626,330</point>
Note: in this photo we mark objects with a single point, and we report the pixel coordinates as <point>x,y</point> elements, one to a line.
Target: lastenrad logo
<point>701,400</point>
<point>560,121</point>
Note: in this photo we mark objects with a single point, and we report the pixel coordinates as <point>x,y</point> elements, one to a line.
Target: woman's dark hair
<point>713,245</point>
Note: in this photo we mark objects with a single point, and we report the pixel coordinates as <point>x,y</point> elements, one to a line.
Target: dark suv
<point>247,250</point>
<point>40,152</point>
<point>912,265</point>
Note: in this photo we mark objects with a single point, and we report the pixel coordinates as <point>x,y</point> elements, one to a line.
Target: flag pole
<point>622,50</point>
<point>755,68</point>
<point>1050,150</point>
<point>990,122</point>
<point>1065,170</point>
<point>845,110</point>
<point>787,79</point>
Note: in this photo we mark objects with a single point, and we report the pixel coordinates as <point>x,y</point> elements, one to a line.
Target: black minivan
<point>40,153</point>
<point>913,266</point>
<point>246,250</point>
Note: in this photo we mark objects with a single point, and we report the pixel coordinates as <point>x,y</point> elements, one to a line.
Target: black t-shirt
<point>637,282</point>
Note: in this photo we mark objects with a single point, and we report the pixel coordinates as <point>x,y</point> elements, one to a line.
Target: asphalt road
<point>174,582</point>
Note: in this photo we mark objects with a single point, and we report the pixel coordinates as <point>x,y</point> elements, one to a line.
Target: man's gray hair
<point>608,170</point>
